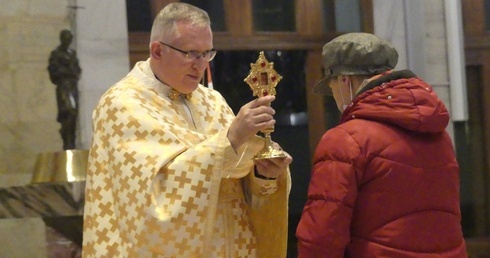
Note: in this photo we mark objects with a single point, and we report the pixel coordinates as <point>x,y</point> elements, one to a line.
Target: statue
<point>64,72</point>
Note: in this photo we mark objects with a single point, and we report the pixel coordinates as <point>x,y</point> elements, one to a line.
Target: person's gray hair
<point>165,22</point>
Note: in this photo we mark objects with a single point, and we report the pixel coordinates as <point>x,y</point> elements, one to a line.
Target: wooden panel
<point>477,53</point>
<point>268,41</point>
<point>238,17</point>
<point>315,103</point>
<point>481,57</point>
<point>473,17</point>
<point>367,15</point>
<point>477,42</point>
<point>486,128</point>
<point>309,14</point>
<point>309,18</point>
<point>473,161</point>
<point>138,47</point>
<point>138,43</point>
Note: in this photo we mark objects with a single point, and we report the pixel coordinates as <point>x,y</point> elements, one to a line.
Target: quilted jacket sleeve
<point>323,230</point>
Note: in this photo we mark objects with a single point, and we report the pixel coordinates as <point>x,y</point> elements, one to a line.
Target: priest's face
<point>184,57</point>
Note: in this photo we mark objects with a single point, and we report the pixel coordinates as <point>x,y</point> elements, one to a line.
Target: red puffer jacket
<point>385,182</point>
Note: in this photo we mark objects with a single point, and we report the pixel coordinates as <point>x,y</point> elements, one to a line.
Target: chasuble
<point>164,181</point>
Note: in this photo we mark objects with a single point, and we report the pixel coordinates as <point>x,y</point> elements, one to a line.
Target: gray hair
<point>165,22</point>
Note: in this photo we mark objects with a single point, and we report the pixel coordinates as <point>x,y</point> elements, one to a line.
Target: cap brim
<point>322,87</point>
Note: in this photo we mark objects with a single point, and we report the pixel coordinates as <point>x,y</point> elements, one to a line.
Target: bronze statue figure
<point>64,72</point>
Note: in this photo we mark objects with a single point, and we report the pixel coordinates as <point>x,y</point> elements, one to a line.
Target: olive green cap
<point>355,54</point>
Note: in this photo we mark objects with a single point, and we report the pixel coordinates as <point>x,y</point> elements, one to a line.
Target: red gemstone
<point>265,93</point>
<point>273,78</point>
<point>254,79</point>
<point>262,64</point>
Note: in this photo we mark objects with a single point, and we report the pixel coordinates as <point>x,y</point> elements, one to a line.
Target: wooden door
<point>474,143</point>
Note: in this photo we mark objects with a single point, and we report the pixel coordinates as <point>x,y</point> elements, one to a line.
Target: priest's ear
<point>156,49</point>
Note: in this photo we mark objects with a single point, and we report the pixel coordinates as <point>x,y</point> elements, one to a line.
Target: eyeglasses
<point>207,55</point>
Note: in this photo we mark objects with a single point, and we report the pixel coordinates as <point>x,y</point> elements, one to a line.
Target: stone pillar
<point>417,29</point>
<point>102,48</point>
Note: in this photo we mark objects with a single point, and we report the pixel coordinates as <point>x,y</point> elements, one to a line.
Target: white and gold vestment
<point>164,181</point>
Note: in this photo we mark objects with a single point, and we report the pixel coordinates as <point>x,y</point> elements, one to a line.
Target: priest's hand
<point>254,116</point>
<point>273,168</point>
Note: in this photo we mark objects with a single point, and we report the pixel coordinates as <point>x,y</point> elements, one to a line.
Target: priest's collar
<point>172,93</point>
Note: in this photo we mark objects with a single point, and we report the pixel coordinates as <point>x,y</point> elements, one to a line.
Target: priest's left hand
<point>273,168</point>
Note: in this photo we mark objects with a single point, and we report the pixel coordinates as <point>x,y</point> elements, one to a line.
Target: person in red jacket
<point>385,181</point>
